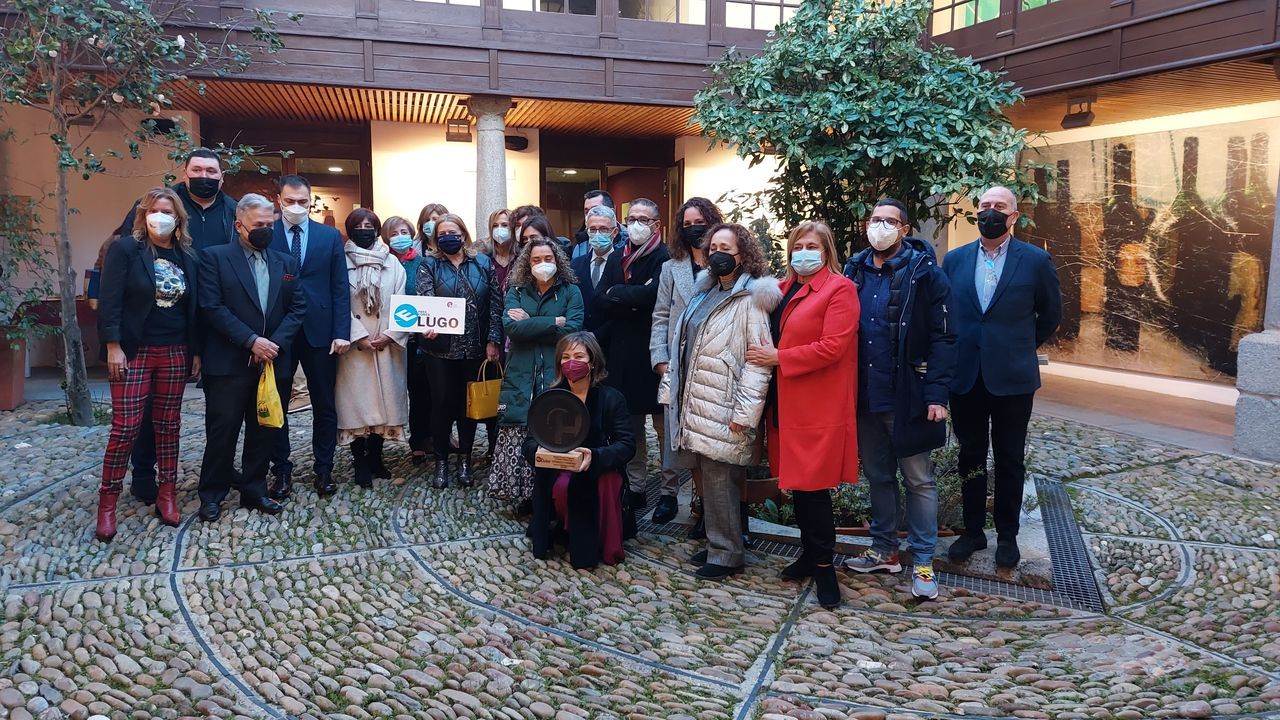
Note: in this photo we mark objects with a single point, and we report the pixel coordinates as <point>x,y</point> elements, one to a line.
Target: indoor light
<point>334,168</point>
<point>570,172</point>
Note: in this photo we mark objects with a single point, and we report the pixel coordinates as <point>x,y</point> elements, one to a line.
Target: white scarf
<point>367,273</point>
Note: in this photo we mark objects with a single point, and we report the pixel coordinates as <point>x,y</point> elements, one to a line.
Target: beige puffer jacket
<point>720,387</point>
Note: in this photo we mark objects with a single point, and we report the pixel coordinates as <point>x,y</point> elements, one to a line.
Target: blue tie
<point>296,245</point>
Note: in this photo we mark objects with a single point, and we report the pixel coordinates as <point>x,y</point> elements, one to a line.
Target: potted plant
<point>26,278</point>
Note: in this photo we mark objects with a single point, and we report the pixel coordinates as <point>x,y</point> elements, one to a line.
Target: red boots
<point>167,504</point>
<point>107,515</point>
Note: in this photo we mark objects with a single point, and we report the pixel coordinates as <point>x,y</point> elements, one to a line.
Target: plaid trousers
<point>156,375</point>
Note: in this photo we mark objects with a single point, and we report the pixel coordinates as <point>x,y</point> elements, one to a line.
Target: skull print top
<point>167,324</point>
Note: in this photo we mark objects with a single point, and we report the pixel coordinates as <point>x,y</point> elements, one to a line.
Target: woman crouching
<point>586,504</point>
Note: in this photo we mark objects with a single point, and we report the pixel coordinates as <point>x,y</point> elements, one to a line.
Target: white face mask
<point>161,224</point>
<point>294,214</point>
<point>881,236</point>
<point>544,271</point>
<point>501,235</point>
<point>639,233</point>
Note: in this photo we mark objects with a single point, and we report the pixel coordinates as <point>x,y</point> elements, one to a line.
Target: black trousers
<point>143,459</point>
<point>231,401</point>
<point>981,421</point>
<point>321,370</point>
<point>419,400</point>
<point>583,541</point>
<point>448,380</point>
<point>817,525</point>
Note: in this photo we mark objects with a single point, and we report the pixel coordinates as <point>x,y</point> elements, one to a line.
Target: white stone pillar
<point>490,112</point>
<point>1257,431</point>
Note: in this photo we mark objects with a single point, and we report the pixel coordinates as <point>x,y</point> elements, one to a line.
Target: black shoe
<point>263,505</point>
<point>464,472</point>
<point>711,571</point>
<point>699,558</point>
<point>827,587</point>
<point>965,546</point>
<point>699,530</point>
<point>798,571</point>
<point>210,511</point>
<point>281,486</point>
<point>1007,553</point>
<point>524,508</point>
<point>360,471</point>
<point>638,500</point>
<point>325,485</point>
<point>666,509</point>
<point>376,466</point>
<point>441,480</point>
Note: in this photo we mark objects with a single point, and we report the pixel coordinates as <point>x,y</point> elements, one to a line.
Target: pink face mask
<point>575,370</point>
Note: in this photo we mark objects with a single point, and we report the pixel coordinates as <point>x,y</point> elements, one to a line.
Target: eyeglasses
<point>641,220</point>
<point>891,222</point>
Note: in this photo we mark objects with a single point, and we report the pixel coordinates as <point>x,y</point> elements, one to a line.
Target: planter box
<point>13,368</point>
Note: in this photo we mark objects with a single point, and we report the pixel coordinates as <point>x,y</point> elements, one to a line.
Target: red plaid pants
<point>156,375</point>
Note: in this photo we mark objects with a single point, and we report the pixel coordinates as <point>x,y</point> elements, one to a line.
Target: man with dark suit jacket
<point>603,240</point>
<point>211,218</point>
<point>318,250</point>
<point>253,306</point>
<point>1006,303</point>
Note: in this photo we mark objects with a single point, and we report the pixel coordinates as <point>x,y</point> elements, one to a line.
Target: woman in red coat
<point>813,436</point>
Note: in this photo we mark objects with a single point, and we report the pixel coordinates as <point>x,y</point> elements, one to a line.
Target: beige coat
<point>720,387</point>
<point>372,395</point>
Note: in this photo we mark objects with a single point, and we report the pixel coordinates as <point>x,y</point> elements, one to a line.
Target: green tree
<point>856,106</point>
<point>83,61</point>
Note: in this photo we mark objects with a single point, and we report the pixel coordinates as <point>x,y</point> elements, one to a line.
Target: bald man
<point>1006,303</point>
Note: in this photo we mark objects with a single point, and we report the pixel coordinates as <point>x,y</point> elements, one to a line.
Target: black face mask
<point>203,187</point>
<point>364,237</point>
<point>260,238</point>
<point>691,235</point>
<point>721,263</point>
<point>449,244</point>
<point>992,223</point>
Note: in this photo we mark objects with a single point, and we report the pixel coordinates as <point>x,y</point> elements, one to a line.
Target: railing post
<point>608,10</point>
<point>715,28</point>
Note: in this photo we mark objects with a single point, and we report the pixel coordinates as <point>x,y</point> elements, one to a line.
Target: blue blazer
<point>232,316</point>
<point>324,282</point>
<point>1024,313</point>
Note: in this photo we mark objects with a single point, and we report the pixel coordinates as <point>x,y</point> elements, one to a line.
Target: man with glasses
<point>626,295</point>
<point>906,354</point>
<point>1008,303</point>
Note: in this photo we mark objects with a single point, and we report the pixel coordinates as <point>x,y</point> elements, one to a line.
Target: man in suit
<point>318,251</point>
<point>581,245</point>
<point>211,217</point>
<point>603,240</point>
<point>252,305</point>
<point>1006,303</point>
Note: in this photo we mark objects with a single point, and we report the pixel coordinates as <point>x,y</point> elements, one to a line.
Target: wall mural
<point>1162,242</point>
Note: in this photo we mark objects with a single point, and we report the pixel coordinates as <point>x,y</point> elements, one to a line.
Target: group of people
<point>684,328</point>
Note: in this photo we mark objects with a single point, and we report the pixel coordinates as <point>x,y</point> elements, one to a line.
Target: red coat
<point>815,444</point>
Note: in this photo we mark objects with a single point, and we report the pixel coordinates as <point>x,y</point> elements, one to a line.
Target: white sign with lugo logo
<point>423,314</point>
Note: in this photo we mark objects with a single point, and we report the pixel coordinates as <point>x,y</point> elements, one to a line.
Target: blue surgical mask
<point>601,242</point>
<point>806,262</point>
<point>428,227</point>
<point>401,243</point>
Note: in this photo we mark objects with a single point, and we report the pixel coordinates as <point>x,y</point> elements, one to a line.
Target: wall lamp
<point>1079,112</point>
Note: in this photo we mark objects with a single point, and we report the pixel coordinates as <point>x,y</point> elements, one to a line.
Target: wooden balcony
<point>454,48</point>
<point>1072,43</point>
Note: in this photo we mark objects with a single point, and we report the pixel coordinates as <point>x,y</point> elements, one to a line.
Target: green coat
<point>531,361</point>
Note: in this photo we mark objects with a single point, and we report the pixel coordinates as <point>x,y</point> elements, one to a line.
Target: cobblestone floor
<point>408,602</point>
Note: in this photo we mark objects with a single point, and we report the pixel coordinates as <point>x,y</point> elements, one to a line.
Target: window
<point>1033,4</point>
<point>951,15</point>
<point>569,7</point>
<point>689,12</point>
<point>758,14</point>
<point>468,3</point>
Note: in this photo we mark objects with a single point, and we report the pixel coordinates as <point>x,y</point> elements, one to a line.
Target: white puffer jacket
<point>720,387</point>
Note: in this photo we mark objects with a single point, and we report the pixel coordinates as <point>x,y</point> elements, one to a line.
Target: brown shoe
<point>167,504</point>
<point>107,515</point>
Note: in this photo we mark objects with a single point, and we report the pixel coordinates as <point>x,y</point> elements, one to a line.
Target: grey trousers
<point>722,511</point>
<point>638,468</point>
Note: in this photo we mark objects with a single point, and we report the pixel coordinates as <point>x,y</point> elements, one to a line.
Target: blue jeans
<point>880,464</point>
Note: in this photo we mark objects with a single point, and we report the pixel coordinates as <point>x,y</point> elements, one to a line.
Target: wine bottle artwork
<point>1125,257</point>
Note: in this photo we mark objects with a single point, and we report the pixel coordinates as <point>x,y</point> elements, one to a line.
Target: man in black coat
<point>253,306</point>
<point>627,293</point>
<point>603,241</point>
<point>211,217</point>
<point>906,357</point>
<point>1007,304</point>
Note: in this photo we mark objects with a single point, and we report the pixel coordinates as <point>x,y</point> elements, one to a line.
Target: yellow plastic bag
<point>270,411</point>
<point>482,395</point>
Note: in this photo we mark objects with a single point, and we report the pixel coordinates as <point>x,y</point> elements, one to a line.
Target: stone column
<point>490,112</point>
<point>1258,378</point>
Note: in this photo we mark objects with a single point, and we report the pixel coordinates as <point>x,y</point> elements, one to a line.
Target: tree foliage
<point>81,62</point>
<point>857,107</point>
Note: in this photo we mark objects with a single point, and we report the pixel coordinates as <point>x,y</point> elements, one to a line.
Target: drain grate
<point>1074,584</point>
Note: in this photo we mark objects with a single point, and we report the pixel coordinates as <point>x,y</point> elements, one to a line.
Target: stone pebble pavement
<point>406,602</point>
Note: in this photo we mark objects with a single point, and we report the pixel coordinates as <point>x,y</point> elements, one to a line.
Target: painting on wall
<point>1162,243</point>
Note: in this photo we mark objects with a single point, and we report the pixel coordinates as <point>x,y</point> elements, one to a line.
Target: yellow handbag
<point>270,411</point>
<point>482,395</point>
